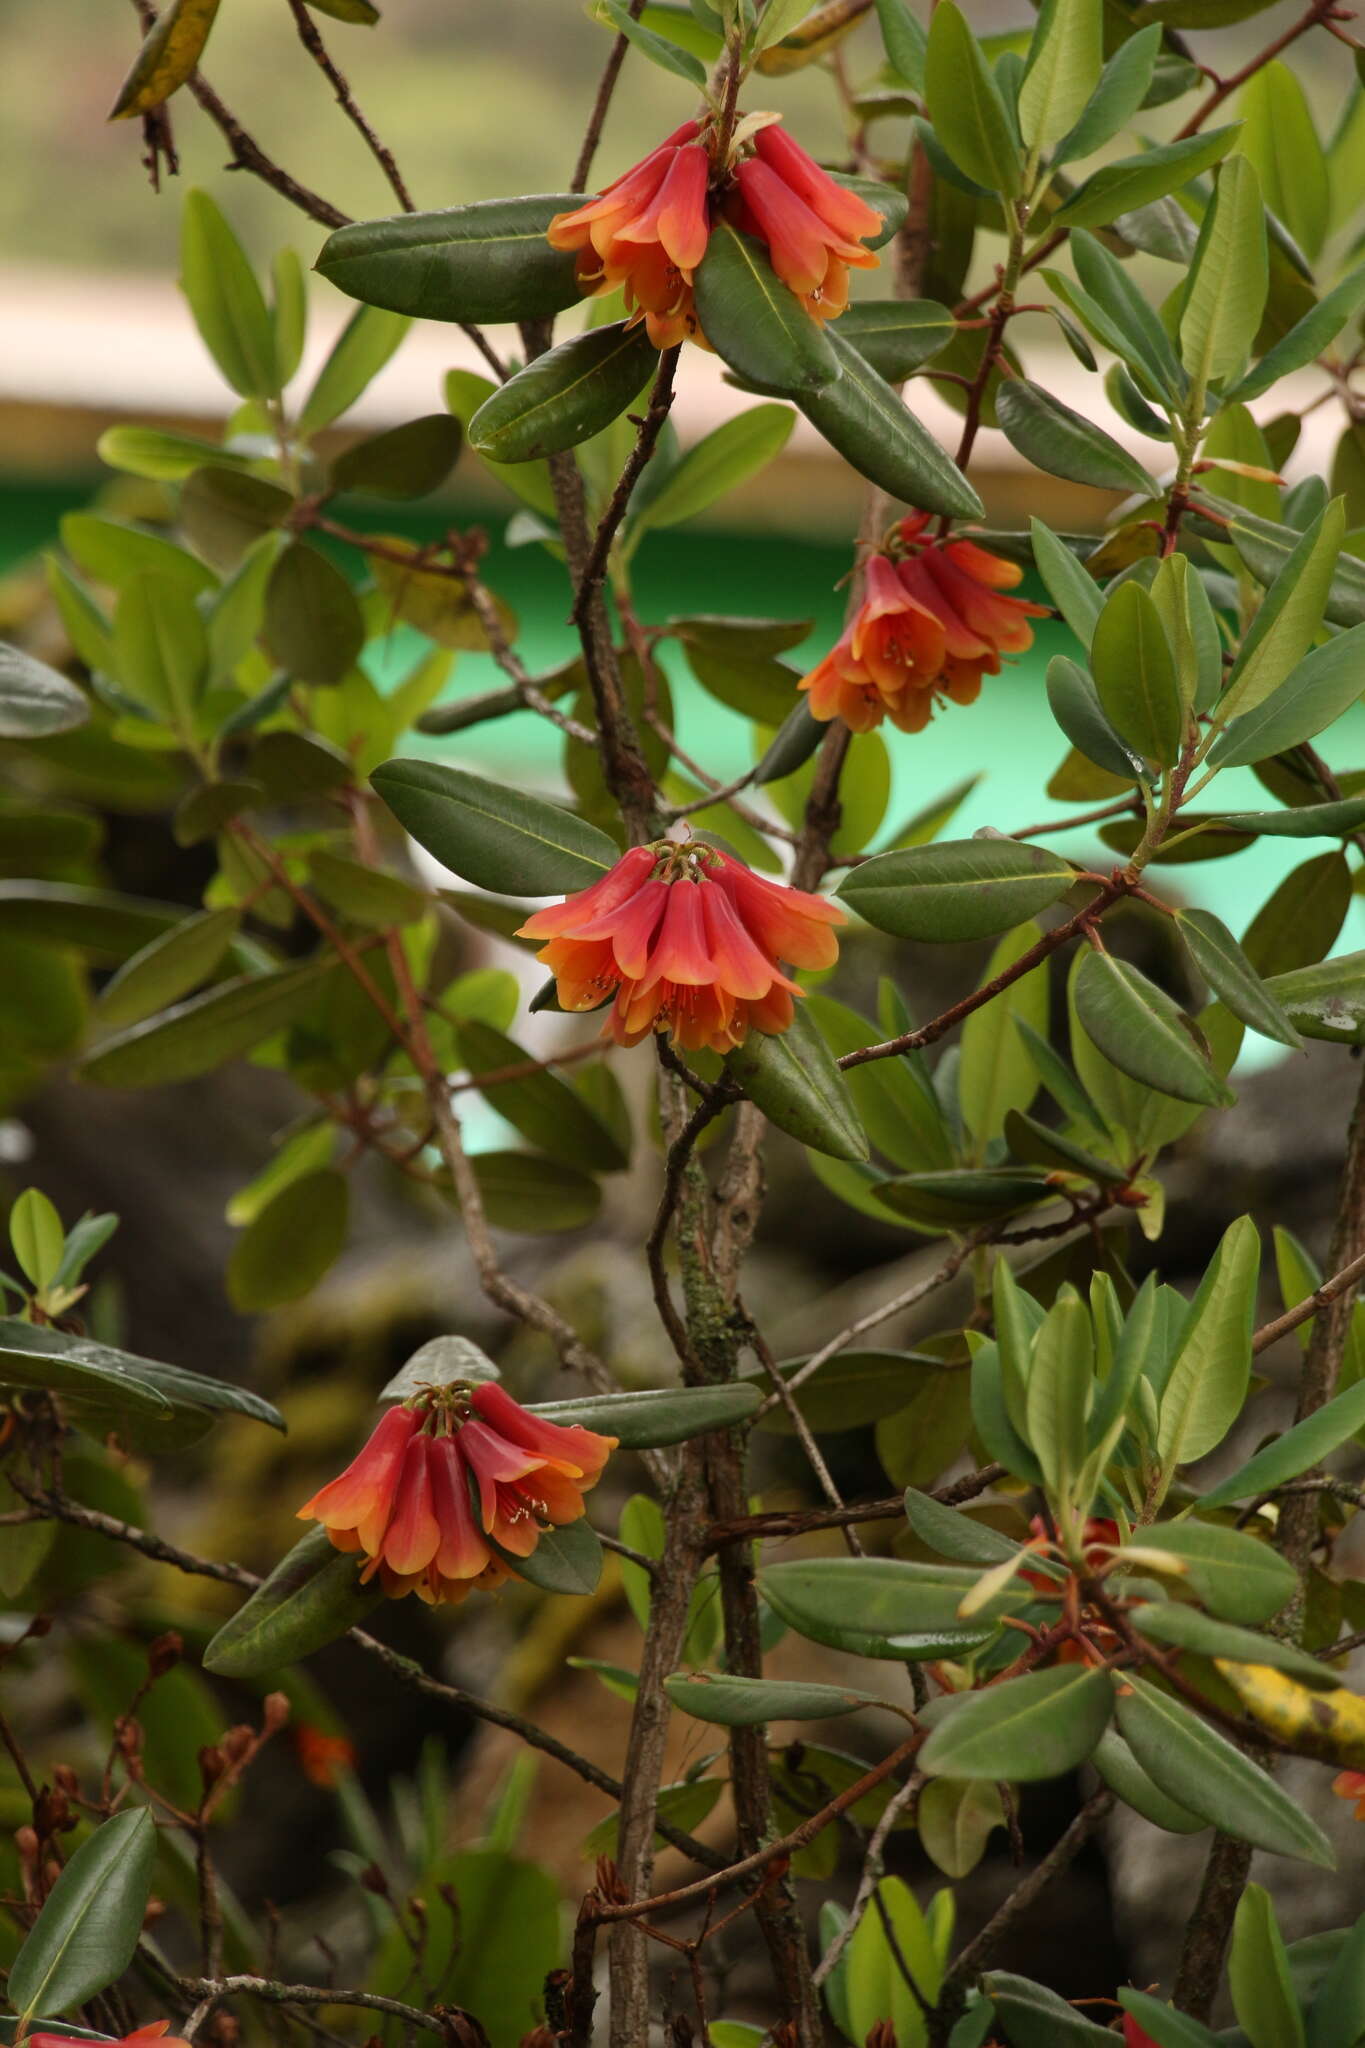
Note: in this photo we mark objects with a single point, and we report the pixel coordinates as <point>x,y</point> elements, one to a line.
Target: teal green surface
<point>1007,737</point>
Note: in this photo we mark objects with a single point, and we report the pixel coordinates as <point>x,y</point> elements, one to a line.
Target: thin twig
<point>611,71</point>
<point>345,98</point>
<point>594,570</point>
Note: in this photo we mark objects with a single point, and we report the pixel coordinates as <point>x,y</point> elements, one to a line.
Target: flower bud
<point>164,1653</point>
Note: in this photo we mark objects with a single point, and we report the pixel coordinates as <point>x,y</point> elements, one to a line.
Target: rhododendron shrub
<point>1058,1495</point>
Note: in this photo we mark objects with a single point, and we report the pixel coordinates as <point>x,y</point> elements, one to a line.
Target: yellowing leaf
<point>1328,1725</point>
<point>170,53</point>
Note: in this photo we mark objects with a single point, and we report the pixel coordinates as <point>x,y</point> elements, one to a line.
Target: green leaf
<point>749,1702</point>
<point>1338,2009</point>
<point>954,1535</point>
<point>905,41</point>
<point>1306,821</point>
<point>1299,923</point>
<point>1231,975</point>
<point>1059,1393</point>
<point>751,319</point>
<point>312,621</point>
<point>850,1391</point>
<point>36,1233</point>
<point>1294,1453</point>
<point>1065,443</point>
<point>653,1417</point>
<point>1164,2026</point>
<point>161,648</point>
<point>1306,339</point>
<point>291,1244</point>
<point>1265,546</point>
<point>165,457</point>
<point>357,356</point>
<point>85,1935</point>
<point>491,834</point>
<point>1063,69</point>
<point>1121,90</point>
<point>1072,589</point>
<point>1135,677</point>
<point>1130,182</point>
<point>489,261</point>
<point>524,1191</point>
<point>1226,290</point>
<point>719,462</point>
<point>407,462</point>
<point>877,1607</point>
<point>312,1596</point>
<point>564,396</point>
<point>1037,1726</point>
<point>754,685</point>
<point>966,106</point>
<point>870,425</point>
<point>1136,1025</point>
<point>794,1081</point>
<point>543,1107</point>
<point>896,336</point>
<point>955,1819</point>
<point>658,49</point>
<point>1288,617</point>
<point>224,513</point>
<point>112,553</point>
<point>1207,1385</point>
<point>567,1560</point>
<point>1314,695</point>
<point>1038,2018</point>
<point>956,889</point>
<point>168,968</point>
<point>226,301</point>
<point>1191,627</point>
<point>32,1356</point>
<point>1123,1774</point>
<point>1237,1577</point>
<point>364,894</point>
<point>1174,1622</point>
<point>1117,312</point>
<point>894,1098</point>
<point>1075,704</point>
<point>206,1031</point>
<point>170,52</point>
<point>1326,1000</point>
<point>1282,144</point>
<point>996,1074</point>
<point>1202,1771</point>
<point>963,1196</point>
<point>35,701</point>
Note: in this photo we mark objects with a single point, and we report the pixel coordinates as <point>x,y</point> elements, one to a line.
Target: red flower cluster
<point>688,939</point>
<point>647,231</point>
<point>141,2037</point>
<point>933,621</point>
<point>408,1500</point>
<point>1351,1785</point>
<point>321,1755</point>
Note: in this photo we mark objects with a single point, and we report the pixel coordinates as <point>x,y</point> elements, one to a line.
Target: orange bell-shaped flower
<point>688,940</point>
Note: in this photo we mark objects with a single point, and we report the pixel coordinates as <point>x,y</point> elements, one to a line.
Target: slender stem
<point>611,71</point>
<point>345,98</point>
<point>593,573</point>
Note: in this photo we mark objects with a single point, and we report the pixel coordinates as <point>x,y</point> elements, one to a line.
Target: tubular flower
<point>814,227</point>
<point>1351,1785</point>
<point>321,1755</point>
<point>647,231</point>
<point>934,619</point>
<point>1134,2034</point>
<point>155,2035</point>
<point>688,941</point>
<point>438,1478</point>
